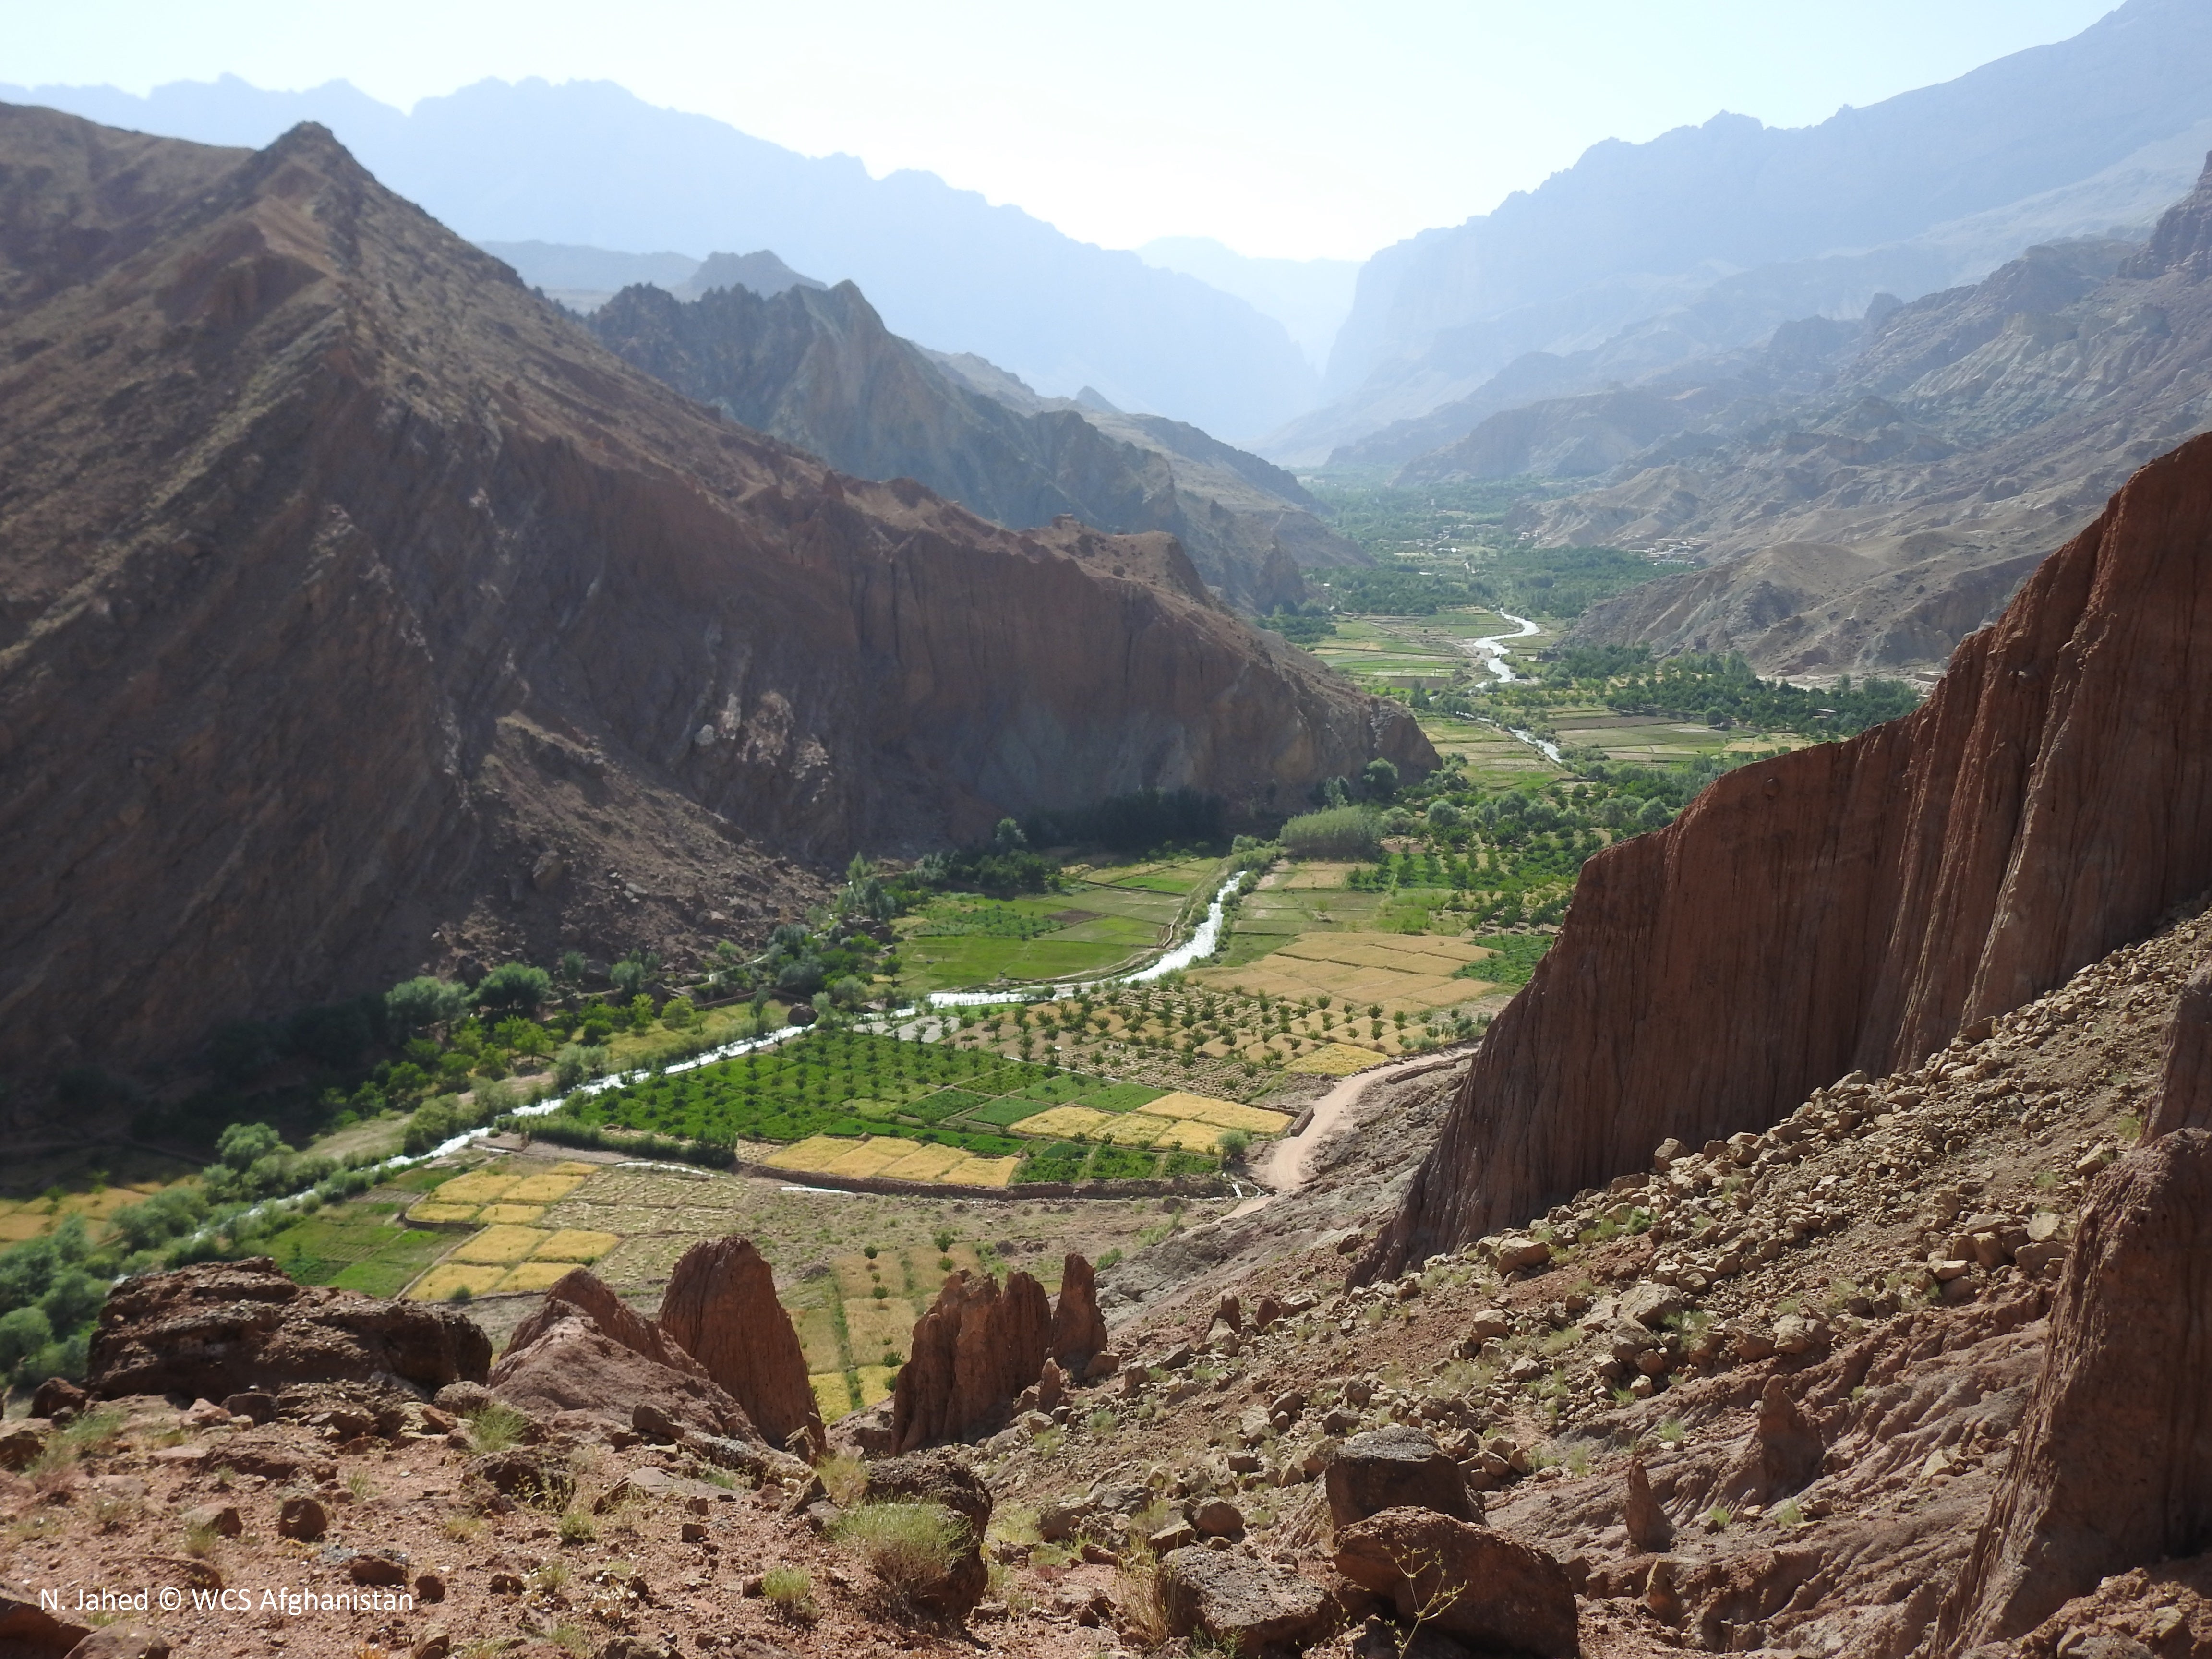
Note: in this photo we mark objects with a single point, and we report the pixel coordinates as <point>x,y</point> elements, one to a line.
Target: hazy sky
<point>1295,127</point>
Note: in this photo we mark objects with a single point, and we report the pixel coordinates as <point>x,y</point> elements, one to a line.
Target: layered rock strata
<point>721,1308</point>
<point>1857,904</point>
<point>361,614</point>
<point>229,1328</point>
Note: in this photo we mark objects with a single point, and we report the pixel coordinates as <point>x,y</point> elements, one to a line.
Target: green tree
<point>243,1145</point>
<point>515,987</point>
<point>633,974</point>
<point>416,1004</point>
<point>23,1333</point>
<point>679,1014</point>
<point>1379,778</point>
<point>640,1012</point>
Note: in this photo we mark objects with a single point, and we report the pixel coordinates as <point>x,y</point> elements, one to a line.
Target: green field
<point>356,1246</point>
<point>851,1084</point>
<point>1106,918</point>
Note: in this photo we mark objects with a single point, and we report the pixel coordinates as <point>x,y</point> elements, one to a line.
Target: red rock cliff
<point>359,613</point>
<point>1857,904</point>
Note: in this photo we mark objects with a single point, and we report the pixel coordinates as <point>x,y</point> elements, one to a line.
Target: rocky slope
<point>362,615</point>
<point>818,369</point>
<point>1925,876</point>
<point>1870,522</point>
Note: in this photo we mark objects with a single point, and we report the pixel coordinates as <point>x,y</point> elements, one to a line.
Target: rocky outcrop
<point>585,1350</point>
<point>1078,1329</point>
<point>971,1356</point>
<point>1463,1580</point>
<point>2114,1466</point>
<point>360,614</point>
<point>225,1327</point>
<point>817,368</point>
<point>721,1308</point>
<point>1855,906</point>
<point>2184,1096</point>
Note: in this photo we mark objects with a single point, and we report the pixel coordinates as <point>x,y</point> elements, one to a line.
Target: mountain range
<point>359,611</point>
<point>817,367</point>
<point>1863,494</point>
<point>587,164</point>
<point>1708,237</point>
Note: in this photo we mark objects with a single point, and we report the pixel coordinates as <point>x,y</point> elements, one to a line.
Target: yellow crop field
<point>1328,876</point>
<point>575,1244</point>
<point>831,1397</point>
<point>476,1278</point>
<point>1338,1059</point>
<point>813,1154</point>
<point>982,1172</point>
<point>925,1162</point>
<point>1190,1136</point>
<point>875,1384</point>
<point>1135,1129</point>
<point>518,1215</point>
<point>548,1189</point>
<point>1228,1114</point>
<point>477,1187</point>
<point>502,1245</point>
<point>870,1156</point>
<point>1076,1122</point>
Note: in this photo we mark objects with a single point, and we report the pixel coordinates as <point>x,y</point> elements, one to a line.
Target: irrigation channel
<point>901,1020</point>
<point>1491,650</point>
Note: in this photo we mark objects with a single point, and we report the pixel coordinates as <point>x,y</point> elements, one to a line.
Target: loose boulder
<point>2114,1465</point>
<point>585,1350</point>
<point>226,1328</point>
<point>1462,1580</point>
<point>1394,1468</point>
<point>1246,1606</point>
<point>938,1477</point>
<point>972,1354</point>
<point>721,1307</point>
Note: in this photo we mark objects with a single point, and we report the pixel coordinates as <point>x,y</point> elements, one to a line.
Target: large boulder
<point>1246,1606</point>
<point>1462,1580</point>
<point>2113,1468</point>
<point>720,1305</point>
<point>1078,1329</point>
<point>938,1477</point>
<point>972,1354</point>
<point>1394,1468</point>
<point>585,1350</point>
<point>225,1327</point>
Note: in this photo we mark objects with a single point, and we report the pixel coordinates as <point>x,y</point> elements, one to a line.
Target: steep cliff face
<point>1856,904</point>
<point>358,613</point>
<point>817,368</point>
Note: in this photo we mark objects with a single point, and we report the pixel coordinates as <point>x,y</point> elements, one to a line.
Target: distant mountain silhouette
<point>1708,237</point>
<point>587,164</point>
